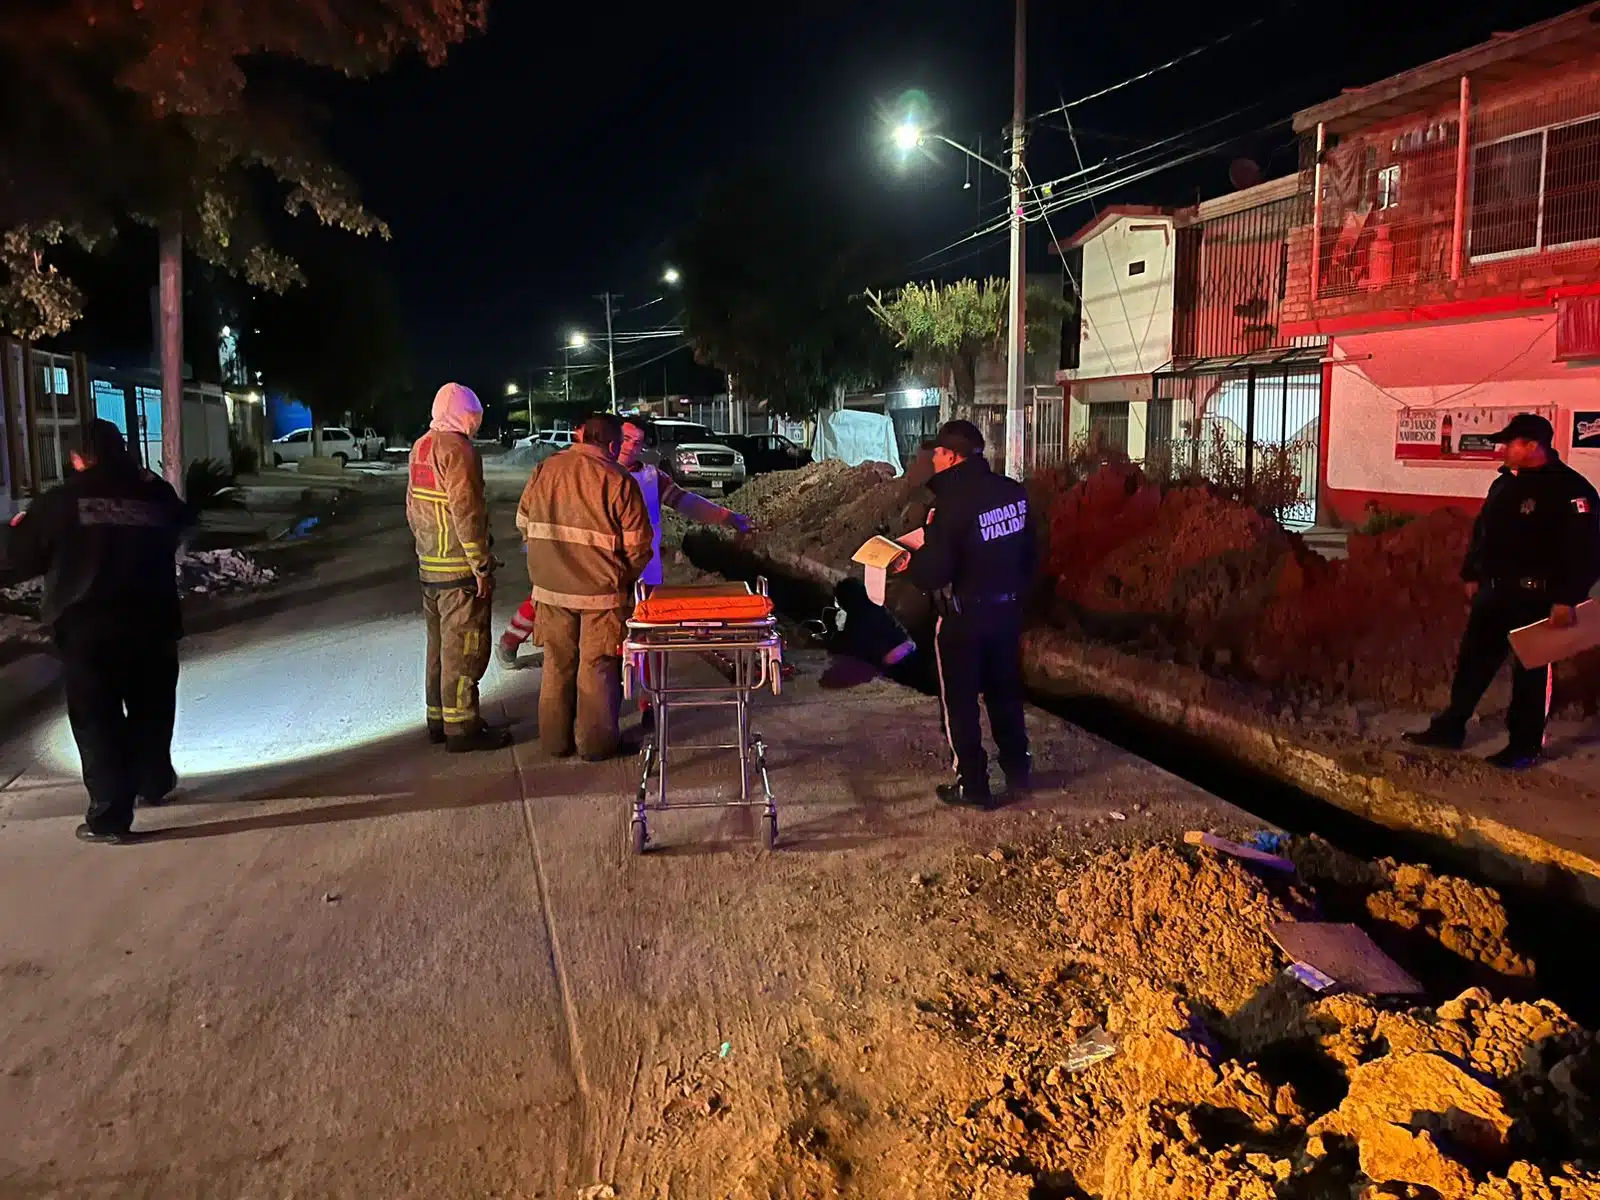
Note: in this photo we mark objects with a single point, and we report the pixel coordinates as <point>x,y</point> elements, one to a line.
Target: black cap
<point>1527,425</point>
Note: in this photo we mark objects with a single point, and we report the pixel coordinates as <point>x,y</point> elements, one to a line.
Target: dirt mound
<point>1466,919</point>
<point>1224,1082</point>
<point>1127,906</point>
<point>810,509</point>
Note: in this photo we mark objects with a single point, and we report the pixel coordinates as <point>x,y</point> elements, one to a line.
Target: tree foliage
<point>774,272</point>
<point>185,111</point>
<point>949,327</point>
<point>337,345</point>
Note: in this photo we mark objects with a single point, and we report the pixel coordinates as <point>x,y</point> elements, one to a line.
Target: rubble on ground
<point>199,572</point>
<point>1228,1080</point>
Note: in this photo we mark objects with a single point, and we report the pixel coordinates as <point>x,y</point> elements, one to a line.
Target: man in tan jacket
<point>589,538</point>
<point>449,516</point>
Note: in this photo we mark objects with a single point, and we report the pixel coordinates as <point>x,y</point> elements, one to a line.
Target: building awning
<point>1276,360</point>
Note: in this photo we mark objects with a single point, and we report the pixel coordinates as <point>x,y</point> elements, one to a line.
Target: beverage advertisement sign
<point>1455,434</point>
<point>1586,431</point>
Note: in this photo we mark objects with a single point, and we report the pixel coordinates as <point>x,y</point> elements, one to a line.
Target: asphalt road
<point>349,965</point>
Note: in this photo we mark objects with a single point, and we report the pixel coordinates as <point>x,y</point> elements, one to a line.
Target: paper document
<point>878,556</point>
<point>1541,643</point>
<point>913,540</point>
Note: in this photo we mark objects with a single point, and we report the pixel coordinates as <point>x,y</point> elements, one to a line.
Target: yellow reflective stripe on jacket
<point>422,493</point>
<point>571,534</point>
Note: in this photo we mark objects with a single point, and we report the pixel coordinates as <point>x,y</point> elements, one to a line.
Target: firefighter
<point>589,539</point>
<point>106,542</point>
<point>449,516</point>
<point>976,564</point>
<point>658,489</point>
<point>1534,554</point>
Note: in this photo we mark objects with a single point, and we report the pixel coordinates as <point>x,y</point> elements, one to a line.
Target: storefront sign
<point>1586,431</point>
<point>1456,434</point>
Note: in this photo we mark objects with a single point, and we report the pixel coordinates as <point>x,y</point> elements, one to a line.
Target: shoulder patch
<point>1580,505</point>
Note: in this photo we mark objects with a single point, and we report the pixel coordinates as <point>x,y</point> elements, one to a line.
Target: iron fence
<point>1251,430</point>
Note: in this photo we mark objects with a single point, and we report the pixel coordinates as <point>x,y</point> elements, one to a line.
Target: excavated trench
<point>1555,928</point>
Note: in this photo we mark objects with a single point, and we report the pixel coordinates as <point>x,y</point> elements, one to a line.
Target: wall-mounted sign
<point>1455,434</point>
<point>1586,431</point>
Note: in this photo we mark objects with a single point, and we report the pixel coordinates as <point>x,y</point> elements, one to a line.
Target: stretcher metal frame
<point>749,654</point>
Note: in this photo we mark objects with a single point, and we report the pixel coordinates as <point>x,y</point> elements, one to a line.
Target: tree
<point>774,270</point>
<point>950,327</point>
<point>337,345</point>
<point>180,114</point>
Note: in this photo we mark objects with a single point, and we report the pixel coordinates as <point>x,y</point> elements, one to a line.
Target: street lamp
<point>670,277</point>
<point>908,135</point>
<point>512,389</point>
<point>576,340</point>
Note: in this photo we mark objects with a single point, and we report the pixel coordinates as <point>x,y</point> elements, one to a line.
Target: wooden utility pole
<point>171,289</point>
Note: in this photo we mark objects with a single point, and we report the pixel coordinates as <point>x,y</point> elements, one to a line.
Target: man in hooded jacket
<point>106,541</point>
<point>449,516</point>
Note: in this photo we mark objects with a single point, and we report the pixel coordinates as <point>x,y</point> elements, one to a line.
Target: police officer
<point>1535,553</point>
<point>105,542</point>
<point>977,563</point>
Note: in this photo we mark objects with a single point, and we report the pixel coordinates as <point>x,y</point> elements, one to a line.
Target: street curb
<point>1057,666</point>
<point>216,614</point>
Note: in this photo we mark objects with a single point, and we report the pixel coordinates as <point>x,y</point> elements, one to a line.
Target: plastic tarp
<point>856,437</point>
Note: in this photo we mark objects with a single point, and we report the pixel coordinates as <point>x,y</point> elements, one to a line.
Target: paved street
<point>348,965</point>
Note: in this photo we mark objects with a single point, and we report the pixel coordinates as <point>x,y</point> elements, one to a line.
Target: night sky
<point>555,156</point>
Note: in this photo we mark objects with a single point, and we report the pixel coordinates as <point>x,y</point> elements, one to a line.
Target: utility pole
<point>611,357</point>
<point>171,303</point>
<point>1016,366</point>
<point>531,430</point>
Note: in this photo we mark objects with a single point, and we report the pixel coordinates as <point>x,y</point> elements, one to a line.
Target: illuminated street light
<point>511,389</point>
<point>671,276</point>
<point>577,341</point>
<point>907,136</point>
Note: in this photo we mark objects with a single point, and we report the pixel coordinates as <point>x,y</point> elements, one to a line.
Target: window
<point>299,436</point>
<point>1537,191</point>
<point>1136,267</point>
<point>1389,186</point>
<point>1108,425</point>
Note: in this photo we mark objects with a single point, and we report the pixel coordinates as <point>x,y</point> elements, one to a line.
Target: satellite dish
<point>1244,173</point>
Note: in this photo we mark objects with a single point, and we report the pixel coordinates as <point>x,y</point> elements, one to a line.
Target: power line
<point>1192,52</point>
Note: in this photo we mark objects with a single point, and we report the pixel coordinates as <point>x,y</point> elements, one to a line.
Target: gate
<point>1250,426</point>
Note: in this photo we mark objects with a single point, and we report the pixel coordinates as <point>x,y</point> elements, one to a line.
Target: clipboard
<point>1540,644</point>
<point>879,555</point>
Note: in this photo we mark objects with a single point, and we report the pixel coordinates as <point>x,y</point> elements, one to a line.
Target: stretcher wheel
<point>769,831</point>
<point>638,836</point>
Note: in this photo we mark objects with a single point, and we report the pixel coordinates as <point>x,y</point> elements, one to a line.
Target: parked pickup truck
<point>767,452</point>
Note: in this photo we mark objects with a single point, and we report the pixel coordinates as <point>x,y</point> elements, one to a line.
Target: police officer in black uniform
<point>105,542</point>
<point>1535,553</point>
<point>977,564</point>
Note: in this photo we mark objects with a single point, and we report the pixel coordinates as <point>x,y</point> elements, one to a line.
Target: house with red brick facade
<point>1451,258</point>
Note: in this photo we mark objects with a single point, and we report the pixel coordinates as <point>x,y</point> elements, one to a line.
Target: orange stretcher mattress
<point>711,602</point>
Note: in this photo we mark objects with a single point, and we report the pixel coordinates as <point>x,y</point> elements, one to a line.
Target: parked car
<point>372,445</point>
<point>337,443</point>
<point>767,452</point>
<point>559,438</point>
<point>691,455</point>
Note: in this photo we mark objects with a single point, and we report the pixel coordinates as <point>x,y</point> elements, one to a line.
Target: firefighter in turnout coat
<point>449,516</point>
<point>589,539</point>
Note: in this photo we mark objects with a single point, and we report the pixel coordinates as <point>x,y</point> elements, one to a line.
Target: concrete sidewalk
<point>349,965</point>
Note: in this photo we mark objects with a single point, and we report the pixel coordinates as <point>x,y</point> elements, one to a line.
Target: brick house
<point>1452,260</point>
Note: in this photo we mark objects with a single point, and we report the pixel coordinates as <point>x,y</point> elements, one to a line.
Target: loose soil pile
<point>1228,1079</point>
<point>1182,573</point>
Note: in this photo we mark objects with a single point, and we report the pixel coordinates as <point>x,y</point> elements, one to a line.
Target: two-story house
<point>1182,360</point>
<point>1122,265</point>
<point>1452,259</point>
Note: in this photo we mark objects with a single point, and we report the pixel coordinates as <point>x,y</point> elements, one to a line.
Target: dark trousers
<point>122,699</point>
<point>1496,611</point>
<point>979,653</point>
